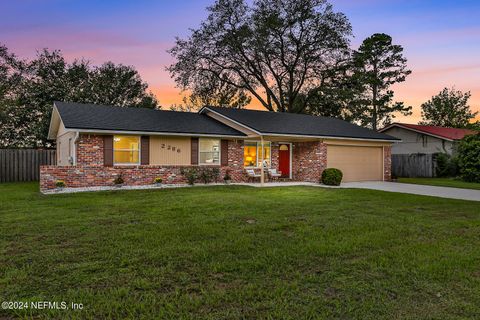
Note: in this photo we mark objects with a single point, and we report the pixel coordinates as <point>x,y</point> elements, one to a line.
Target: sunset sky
<point>441,38</point>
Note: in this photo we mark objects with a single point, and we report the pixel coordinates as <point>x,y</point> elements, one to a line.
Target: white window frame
<point>139,151</point>
<point>219,152</point>
<point>259,145</point>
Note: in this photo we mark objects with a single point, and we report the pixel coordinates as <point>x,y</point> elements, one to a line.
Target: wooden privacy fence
<point>413,165</point>
<point>24,164</point>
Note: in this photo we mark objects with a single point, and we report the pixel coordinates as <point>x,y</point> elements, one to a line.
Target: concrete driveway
<point>442,192</point>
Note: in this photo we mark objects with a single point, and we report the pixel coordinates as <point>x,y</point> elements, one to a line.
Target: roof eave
<point>51,134</point>
<point>418,131</point>
<point>329,137</point>
<point>293,135</point>
<point>154,133</point>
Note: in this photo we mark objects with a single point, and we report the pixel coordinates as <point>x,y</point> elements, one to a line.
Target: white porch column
<point>262,169</point>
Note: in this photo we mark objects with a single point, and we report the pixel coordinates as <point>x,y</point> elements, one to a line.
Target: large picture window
<point>209,151</point>
<point>252,153</point>
<point>126,150</point>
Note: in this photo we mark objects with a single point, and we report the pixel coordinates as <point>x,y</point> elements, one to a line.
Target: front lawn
<point>240,252</point>
<point>442,182</point>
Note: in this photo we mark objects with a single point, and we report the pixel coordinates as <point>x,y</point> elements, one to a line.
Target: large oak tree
<point>278,51</point>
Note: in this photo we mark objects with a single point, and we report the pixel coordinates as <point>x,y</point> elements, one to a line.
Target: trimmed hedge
<point>332,177</point>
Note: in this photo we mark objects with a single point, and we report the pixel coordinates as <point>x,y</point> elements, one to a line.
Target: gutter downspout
<point>77,137</point>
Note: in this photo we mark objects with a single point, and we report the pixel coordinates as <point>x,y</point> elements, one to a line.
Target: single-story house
<point>97,143</point>
<point>424,139</point>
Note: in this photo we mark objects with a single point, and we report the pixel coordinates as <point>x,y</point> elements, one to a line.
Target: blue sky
<point>441,38</point>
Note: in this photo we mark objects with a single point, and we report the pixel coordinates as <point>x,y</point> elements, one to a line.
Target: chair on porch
<point>274,174</point>
<point>252,175</point>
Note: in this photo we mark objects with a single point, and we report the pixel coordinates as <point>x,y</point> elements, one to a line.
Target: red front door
<point>284,160</point>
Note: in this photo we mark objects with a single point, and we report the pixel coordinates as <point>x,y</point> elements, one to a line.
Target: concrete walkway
<point>442,192</point>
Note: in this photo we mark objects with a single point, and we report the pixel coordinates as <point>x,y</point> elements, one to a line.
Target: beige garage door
<point>356,163</point>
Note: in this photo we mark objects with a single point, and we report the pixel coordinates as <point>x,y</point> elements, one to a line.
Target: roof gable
<point>110,118</point>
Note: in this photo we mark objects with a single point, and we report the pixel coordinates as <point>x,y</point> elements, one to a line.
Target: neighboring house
<point>424,139</point>
<point>97,143</point>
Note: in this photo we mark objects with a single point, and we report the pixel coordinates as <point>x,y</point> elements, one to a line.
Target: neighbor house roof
<point>440,132</point>
<point>109,118</point>
<point>289,124</point>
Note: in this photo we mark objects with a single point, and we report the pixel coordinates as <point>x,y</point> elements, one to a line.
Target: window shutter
<point>108,151</point>
<point>224,153</point>
<point>145,150</point>
<point>194,144</point>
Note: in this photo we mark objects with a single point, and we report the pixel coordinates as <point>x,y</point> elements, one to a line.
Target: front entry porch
<point>284,159</point>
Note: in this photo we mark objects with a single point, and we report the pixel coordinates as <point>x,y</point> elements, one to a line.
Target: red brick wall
<point>309,160</point>
<point>235,161</point>
<point>387,163</point>
<point>89,176</point>
<point>90,150</point>
<point>274,155</point>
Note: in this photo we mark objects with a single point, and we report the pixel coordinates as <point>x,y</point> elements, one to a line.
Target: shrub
<point>332,177</point>
<point>60,184</point>
<point>118,180</point>
<point>469,158</point>
<point>157,180</point>
<point>215,174</point>
<point>446,165</point>
<point>191,174</point>
<point>205,175</point>
<point>227,176</point>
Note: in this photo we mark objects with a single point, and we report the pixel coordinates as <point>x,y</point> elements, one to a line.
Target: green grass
<point>442,182</point>
<point>238,252</point>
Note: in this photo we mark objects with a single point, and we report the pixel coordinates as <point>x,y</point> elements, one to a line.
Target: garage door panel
<point>357,163</point>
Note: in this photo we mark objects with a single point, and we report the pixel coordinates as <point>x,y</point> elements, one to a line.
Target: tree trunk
<point>374,110</point>
<point>374,98</point>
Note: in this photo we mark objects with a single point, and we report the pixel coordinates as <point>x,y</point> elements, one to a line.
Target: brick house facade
<point>142,144</point>
<point>309,159</point>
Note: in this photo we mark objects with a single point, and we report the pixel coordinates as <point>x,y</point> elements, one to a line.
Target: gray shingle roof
<point>298,124</point>
<point>98,117</point>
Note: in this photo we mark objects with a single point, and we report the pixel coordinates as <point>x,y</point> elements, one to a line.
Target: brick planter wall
<point>309,160</point>
<point>89,176</point>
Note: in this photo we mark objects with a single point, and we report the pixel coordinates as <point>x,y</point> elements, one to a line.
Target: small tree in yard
<point>469,158</point>
<point>449,108</point>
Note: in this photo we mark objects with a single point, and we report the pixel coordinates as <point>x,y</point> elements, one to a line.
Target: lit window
<point>209,151</point>
<point>126,149</point>
<point>252,153</point>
